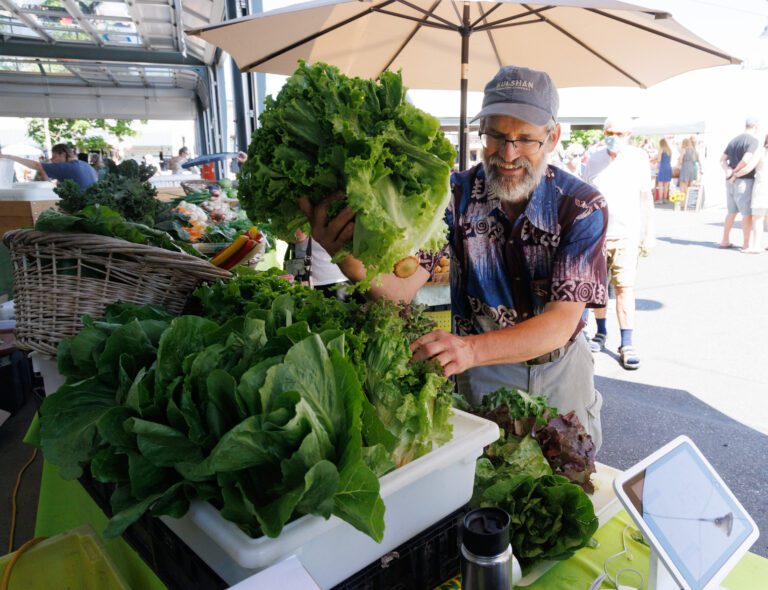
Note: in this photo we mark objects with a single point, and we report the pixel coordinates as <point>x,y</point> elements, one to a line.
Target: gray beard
<point>509,190</point>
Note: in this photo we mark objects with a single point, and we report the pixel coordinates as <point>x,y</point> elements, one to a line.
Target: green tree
<point>78,132</point>
<point>585,137</point>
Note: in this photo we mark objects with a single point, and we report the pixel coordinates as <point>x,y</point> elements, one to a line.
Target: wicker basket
<point>59,277</point>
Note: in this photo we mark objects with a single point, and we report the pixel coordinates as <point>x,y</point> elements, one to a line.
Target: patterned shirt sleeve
<point>579,272</point>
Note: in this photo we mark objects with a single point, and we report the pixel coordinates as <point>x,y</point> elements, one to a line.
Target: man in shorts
<point>622,173</point>
<point>738,189</point>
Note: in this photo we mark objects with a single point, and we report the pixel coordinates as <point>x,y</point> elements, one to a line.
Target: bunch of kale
<point>125,189</point>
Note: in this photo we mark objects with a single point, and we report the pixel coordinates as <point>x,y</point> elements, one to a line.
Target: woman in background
<point>687,164</point>
<point>664,175</point>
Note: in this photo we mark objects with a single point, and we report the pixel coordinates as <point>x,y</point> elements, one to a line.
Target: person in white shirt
<point>622,173</point>
<point>324,275</point>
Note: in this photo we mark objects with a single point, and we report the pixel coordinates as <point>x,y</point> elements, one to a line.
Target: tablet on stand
<point>695,526</point>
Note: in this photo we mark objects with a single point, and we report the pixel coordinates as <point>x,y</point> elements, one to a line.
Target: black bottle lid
<point>486,532</point>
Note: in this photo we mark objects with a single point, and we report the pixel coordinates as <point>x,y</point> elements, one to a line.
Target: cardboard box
<point>21,214</point>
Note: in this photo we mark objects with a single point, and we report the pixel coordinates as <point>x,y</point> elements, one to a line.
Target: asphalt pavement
<point>700,328</point>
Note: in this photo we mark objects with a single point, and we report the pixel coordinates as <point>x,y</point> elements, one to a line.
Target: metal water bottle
<point>487,562</point>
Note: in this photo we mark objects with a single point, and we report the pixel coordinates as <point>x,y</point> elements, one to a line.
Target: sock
<point>601,329</point>
<point>626,337</point>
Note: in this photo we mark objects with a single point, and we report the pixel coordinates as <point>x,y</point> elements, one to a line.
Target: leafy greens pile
<point>409,402</point>
<point>261,413</point>
<point>125,189</point>
<point>263,423</point>
<point>551,515</point>
<point>326,132</point>
<point>104,221</point>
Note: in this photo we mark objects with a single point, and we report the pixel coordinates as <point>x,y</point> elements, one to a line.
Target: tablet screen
<point>687,509</point>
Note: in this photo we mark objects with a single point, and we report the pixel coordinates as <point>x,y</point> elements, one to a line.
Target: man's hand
<point>454,353</point>
<point>333,234</point>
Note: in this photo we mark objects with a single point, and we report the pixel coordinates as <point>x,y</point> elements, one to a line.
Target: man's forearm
<point>34,164</point>
<point>539,335</point>
<point>743,164</point>
<point>385,286</point>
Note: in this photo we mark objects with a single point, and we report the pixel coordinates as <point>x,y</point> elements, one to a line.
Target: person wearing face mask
<point>526,244</point>
<point>622,173</point>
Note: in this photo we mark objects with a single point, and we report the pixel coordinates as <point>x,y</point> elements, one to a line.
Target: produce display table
<point>581,570</point>
<point>65,505</point>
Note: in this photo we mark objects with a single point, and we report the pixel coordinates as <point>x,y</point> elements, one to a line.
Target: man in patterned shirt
<point>527,249</point>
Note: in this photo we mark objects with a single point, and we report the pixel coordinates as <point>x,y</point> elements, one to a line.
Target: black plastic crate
<point>421,563</point>
<point>162,550</point>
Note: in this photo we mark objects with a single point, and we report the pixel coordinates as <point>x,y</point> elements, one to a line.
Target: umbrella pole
<point>464,85</point>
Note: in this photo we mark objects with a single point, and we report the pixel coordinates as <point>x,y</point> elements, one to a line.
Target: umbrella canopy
<point>23,150</point>
<point>443,44</point>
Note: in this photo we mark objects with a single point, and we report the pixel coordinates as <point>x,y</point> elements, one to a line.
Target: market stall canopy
<point>441,44</point>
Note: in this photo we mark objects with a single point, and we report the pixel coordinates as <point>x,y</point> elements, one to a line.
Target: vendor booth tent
<point>440,44</point>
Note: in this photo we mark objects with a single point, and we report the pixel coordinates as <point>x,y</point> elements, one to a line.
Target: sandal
<point>629,358</point>
<point>597,343</point>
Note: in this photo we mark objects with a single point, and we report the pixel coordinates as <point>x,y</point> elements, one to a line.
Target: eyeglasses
<point>524,147</point>
<point>613,133</point>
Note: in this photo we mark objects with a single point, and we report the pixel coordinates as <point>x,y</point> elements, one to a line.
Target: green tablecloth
<point>65,505</point>
<point>579,571</point>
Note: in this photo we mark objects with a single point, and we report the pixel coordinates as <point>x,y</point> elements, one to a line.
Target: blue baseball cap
<point>522,93</point>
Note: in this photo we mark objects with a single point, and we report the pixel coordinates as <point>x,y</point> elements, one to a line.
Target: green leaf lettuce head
<point>326,132</point>
<point>410,400</point>
<point>551,518</point>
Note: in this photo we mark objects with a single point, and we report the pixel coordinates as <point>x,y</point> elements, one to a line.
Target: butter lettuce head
<point>326,132</point>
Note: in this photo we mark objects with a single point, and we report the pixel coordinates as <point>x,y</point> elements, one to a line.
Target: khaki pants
<point>568,383</point>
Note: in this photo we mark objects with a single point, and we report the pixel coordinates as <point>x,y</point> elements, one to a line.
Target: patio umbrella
<point>442,44</point>
<point>23,150</point>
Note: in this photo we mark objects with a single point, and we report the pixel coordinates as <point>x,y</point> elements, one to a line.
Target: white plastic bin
<point>415,495</point>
